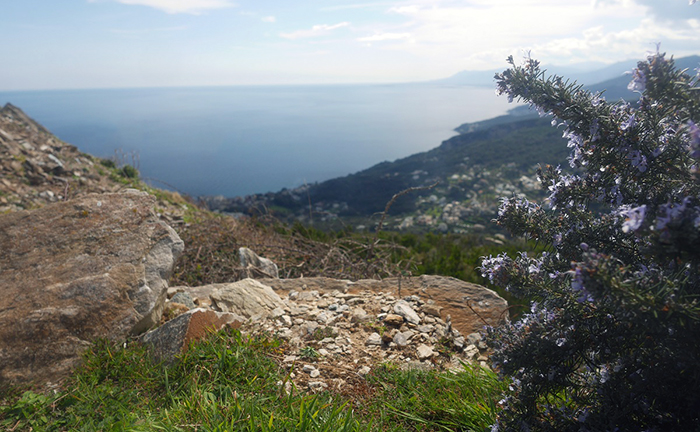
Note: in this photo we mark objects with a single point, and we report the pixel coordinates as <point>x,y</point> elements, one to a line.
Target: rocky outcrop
<point>71,272</point>
<point>336,331</point>
<point>470,306</point>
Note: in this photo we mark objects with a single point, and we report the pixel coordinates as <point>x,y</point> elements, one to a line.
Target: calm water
<point>242,140</point>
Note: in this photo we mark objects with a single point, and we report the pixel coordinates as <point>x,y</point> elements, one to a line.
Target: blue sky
<point>49,44</point>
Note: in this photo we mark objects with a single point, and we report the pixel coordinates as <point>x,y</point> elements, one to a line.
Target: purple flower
<point>496,268</point>
<point>639,81</point>
<point>638,160</point>
<point>577,285</point>
<point>633,218</point>
<point>629,123</point>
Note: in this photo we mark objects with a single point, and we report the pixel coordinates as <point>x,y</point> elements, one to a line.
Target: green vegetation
<point>611,342</point>
<point>420,400</point>
<point>458,256</point>
<point>109,163</point>
<point>129,172</point>
<point>230,382</point>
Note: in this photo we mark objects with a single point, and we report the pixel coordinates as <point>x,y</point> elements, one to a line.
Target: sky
<point>74,44</point>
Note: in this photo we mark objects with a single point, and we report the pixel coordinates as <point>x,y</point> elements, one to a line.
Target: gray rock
<point>285,333</point>
<point>311,327</point>
<point>257,267</point>
<point>402,308</point>
<point>425,328</point>
<point>374,340</point>
<point>74,271</point>
<point>307,296</point>
<point>323,318</point>
<point>247,297</point>
<point>296,310</point>
<point>359,315</point>
<point>400,339</point>
<point>471,351</point>
<point>277,312</point>
<point>183,298</point>
<point>473,338</point>
<point>424,352</point>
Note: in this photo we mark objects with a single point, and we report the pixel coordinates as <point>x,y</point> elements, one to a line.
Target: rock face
<point>256,266</point>
<point>74,271</point>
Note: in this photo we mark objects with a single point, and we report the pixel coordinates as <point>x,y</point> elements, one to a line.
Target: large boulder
<point>93,267</point>
<point>247,297</point>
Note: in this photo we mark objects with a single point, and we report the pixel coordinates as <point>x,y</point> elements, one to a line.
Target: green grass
<point>228,382</point>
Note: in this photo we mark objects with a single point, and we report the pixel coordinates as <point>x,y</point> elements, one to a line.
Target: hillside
<point>472,170</point>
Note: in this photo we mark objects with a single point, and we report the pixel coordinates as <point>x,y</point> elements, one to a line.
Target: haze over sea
<point>241,140</point>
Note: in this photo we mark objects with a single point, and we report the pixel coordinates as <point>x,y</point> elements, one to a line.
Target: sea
<point>242,140</point>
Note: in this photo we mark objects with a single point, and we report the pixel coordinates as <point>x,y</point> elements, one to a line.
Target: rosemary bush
<point>612,340</point>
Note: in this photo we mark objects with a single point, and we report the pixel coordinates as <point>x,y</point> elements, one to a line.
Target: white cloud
<point>181,6</point>
<point>269,19</point>
<point>385,37</point>
<point>480,34</point>
<point>315,31</point>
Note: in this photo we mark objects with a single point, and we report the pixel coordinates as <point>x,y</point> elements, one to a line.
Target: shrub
<point>109,163</point>
<point>611,340</point>
<point>128,171</point>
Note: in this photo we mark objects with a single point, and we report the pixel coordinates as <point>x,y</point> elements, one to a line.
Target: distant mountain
<point>582,73</point>
<point>591,75</point>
